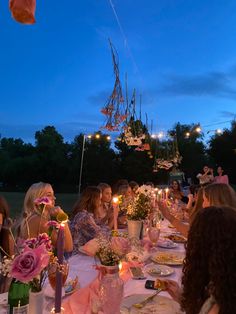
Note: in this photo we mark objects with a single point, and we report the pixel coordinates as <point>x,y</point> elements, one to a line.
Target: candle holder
<point>62,311</point>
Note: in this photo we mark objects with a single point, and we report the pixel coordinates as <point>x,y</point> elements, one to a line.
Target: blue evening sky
<point>179,54</point>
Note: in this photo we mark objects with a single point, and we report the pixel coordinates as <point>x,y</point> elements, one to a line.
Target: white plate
<point>168,258</point>
<point>167,244</point>
<point>159,305</point>
<point>159,270</point>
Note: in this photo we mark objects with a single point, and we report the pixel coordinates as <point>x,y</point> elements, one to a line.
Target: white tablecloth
<point>83,267</point>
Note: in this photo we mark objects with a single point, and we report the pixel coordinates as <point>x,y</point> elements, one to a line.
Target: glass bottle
<point>18,298</point>
<point>111,290</point>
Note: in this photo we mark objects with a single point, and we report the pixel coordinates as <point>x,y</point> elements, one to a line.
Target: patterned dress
<point>84,228</point>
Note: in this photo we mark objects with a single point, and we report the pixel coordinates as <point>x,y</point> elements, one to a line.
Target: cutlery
<point>145,301</point>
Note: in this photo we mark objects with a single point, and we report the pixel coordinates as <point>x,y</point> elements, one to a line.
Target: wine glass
<point>153,234</point>
<point>52,271</point>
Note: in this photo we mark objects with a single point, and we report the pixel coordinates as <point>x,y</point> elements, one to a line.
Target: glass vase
<point>36,302</point>
<point>111,290</point>
<point>135,229</point>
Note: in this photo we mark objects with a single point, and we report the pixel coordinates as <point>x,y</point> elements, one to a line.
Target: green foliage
<point>52,160</point>
<point>139,208</point>
<point>222,148</point>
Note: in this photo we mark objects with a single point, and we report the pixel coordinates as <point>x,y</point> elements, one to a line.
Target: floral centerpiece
<point>140,206</point>
<point>111,251</point>
<point>29,265</point>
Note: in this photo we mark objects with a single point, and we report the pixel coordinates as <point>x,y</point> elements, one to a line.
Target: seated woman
<point>83,225</point>
<point>209,273</point>
<point>35,222</point>
<point>134,187</point>
<point>6,240</point>
<point>216,194</point>
<point>104,215</point>
<point>175,191</point>
<point>126,192</point>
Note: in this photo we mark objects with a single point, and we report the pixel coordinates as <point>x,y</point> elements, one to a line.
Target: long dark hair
<point>87,201</point>
<point>5,235</point>
<point>209,266</point>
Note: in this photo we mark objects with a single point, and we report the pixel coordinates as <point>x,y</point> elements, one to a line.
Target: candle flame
<point>115,200</point>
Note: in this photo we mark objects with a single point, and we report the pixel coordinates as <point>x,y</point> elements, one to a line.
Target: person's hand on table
<point>173,289</point>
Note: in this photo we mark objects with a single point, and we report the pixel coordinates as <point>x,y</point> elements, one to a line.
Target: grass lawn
<point>15,201</point>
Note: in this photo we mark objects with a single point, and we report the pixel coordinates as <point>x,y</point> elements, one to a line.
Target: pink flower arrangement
<point>42,238</point>
<point>30,263</point>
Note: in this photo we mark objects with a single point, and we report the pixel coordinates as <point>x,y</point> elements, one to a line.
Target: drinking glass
<point>52,271</point>
<point>153,234</point>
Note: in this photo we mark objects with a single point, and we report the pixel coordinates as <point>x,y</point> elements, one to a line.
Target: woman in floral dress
<point>83,225</point>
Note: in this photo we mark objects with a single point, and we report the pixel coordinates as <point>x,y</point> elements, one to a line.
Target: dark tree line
<point>53,160</point>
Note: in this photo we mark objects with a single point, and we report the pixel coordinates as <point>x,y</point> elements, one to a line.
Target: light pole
<point>81,162</point>
<point>96,136</point>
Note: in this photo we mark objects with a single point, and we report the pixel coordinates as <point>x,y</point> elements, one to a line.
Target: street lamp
<point>97,136</point>
<point>81,162</point>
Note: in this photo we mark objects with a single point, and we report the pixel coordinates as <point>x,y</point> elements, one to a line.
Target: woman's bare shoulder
<point>36,224</point>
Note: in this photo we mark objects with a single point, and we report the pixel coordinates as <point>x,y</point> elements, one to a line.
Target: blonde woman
<point>219,194</point>
<point>34,221</point>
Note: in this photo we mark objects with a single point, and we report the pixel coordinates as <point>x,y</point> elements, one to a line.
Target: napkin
<point>91,247</point>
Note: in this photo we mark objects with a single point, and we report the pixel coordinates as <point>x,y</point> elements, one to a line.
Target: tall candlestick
<point>59,275</point>
<point>115,201</point>
<point>167,193</point>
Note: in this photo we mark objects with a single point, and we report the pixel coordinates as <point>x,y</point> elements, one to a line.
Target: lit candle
<point>120,266</point>
<point>167,193</point>
<point>59,275</point>
<point>115,202</point>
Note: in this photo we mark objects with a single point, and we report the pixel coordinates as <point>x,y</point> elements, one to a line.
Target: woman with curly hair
<point>209,272</point>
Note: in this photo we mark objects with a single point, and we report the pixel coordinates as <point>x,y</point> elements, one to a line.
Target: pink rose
<point>120,245</point>
<point>30,263</point>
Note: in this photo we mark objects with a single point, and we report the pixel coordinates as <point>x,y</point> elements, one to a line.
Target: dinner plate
<point>167,244</point>
<point>158,305</point>
<point>168,258</point>
<point>159,270</point>
<point>176,238</point>
<point>71,286</point>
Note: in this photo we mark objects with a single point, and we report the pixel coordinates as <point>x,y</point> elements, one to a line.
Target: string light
<point>160,135</point>
<point>219,131</point>
<point>97,136</point>
<point>198,129</point>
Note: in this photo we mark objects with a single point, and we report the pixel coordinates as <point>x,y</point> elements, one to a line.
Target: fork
<point>145,301</point>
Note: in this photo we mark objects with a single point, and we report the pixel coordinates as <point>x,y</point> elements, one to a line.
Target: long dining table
<point>82,266</point>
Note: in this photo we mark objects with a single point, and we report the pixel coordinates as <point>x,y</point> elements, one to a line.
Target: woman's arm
<point>181,227</point>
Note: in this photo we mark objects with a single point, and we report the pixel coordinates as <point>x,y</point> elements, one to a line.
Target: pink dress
<point>222,179</point>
